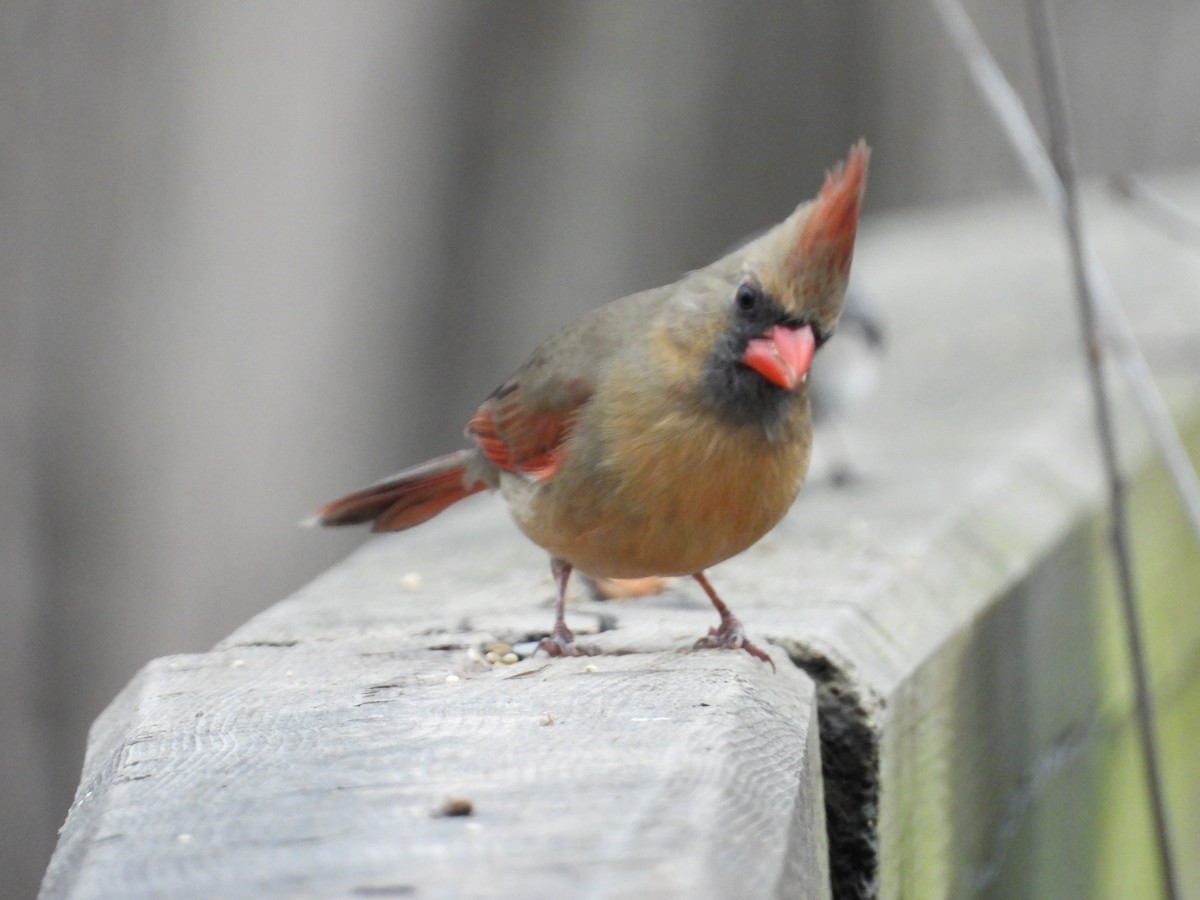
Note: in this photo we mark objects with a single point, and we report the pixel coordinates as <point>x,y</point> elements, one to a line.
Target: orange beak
<point>782,355</point>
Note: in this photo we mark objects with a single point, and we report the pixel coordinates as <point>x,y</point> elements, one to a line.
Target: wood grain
<point>324,769</point>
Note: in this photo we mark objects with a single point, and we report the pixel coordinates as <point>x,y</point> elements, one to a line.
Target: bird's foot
<point>561,642</point>
<point>730,635</point>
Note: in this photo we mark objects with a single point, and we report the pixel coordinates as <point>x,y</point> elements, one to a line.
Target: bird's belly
<point>674,513</point>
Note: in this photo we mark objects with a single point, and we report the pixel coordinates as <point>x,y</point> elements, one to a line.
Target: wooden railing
<point>950,714</point>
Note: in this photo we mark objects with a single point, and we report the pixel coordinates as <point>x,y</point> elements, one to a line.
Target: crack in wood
<point>850,771</point>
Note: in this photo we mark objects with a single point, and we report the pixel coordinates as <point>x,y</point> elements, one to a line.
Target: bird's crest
<point>826,239</point>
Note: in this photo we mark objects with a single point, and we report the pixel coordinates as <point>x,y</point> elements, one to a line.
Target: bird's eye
<point>748,296</point>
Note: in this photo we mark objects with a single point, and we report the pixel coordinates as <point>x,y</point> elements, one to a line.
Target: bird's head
<point>779,296</point>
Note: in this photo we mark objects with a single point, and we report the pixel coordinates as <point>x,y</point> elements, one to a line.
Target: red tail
<point>406,499</point>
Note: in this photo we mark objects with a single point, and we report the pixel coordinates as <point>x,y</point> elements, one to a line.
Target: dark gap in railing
<point>850,771</point>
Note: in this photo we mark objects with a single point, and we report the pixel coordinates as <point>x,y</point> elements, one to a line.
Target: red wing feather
<point>520,440</point>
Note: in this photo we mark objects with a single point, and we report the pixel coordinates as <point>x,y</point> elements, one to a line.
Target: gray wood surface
<point>324,768</point>
<point>952,607</point>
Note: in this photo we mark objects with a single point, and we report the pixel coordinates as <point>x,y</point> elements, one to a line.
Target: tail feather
<point>405,499</point>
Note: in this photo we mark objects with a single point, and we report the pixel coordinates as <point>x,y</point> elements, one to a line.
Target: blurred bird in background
<point>844,375</point>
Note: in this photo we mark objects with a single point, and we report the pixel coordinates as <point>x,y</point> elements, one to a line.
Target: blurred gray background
<point>253,255</point>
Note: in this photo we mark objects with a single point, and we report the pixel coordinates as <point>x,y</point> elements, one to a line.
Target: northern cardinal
<point>664,432</point>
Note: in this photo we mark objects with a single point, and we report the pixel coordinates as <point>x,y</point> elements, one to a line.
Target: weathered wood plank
<point>319,769</point>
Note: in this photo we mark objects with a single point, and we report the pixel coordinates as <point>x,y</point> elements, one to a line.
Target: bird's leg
<point>561,640</point>
<point>729,635</point>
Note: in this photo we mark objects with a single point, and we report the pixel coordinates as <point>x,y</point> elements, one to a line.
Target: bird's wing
<point>525,431</point>
<point>523,427</point>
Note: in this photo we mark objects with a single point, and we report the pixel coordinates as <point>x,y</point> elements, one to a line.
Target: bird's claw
<point>561,642</point>
<point>730,635</point>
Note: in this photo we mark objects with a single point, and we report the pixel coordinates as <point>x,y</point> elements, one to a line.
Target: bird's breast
<point>662,488</point>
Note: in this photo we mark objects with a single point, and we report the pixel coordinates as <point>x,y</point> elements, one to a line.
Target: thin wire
<point>1050,74</point>
<point>1010,112</point>
<point>1055,177</point>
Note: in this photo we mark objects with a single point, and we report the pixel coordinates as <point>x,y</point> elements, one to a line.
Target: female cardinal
<point>663,432</point>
